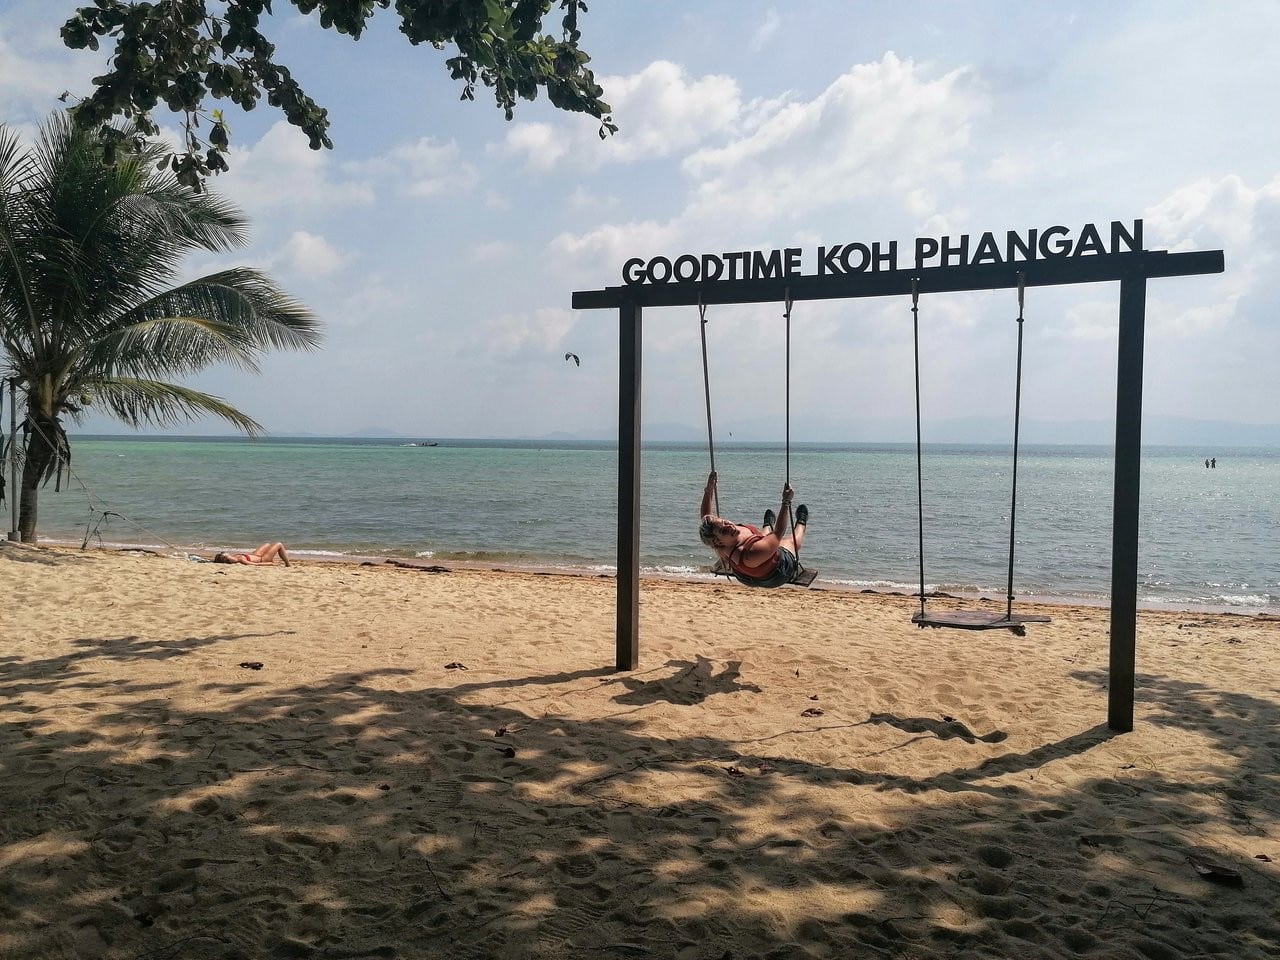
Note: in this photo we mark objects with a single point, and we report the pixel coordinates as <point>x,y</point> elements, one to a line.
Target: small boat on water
<point>424,443</point>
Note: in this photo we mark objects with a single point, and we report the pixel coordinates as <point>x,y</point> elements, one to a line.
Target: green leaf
<point>178,53</point>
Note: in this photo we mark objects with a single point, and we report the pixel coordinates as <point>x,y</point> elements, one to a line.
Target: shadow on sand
<point>419,823</point>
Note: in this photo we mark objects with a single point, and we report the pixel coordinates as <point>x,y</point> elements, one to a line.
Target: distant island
<point>1157,431</point>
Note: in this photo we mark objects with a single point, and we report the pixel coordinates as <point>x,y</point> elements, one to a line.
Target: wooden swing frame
<point>1131,270</point>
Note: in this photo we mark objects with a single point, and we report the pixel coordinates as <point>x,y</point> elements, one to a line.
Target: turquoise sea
<point>1210,538</point>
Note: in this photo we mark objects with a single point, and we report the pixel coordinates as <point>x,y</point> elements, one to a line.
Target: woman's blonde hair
<point>707,530</point>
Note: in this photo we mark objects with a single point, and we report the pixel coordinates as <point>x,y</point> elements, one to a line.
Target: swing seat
<point>977,620</point>
<point>804,576</point>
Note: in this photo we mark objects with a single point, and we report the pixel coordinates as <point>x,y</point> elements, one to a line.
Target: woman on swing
<point>765,557</point>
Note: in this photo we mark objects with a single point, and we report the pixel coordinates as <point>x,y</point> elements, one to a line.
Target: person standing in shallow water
<point>767,557</point>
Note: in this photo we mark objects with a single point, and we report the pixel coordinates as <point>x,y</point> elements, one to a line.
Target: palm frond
<point>19,222</point>
<point>203,221</point>
<point>226,317</point>
<point>275,320</point>
<point>141,402</point>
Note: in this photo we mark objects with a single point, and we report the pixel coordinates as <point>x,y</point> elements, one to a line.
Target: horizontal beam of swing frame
<point>1131,270</point>
<point>1099,268</point>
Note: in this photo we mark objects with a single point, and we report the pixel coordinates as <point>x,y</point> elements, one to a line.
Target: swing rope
<point>787,316</point>
<point>972,620</point>
<point>915,326</point>
<point>706,385</point>
<point>1017,416</point>
<point>786,504</point>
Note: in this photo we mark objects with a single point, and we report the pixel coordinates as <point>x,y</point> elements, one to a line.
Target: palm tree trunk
<point>40,453</point>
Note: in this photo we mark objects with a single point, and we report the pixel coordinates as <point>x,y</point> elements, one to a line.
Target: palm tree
<point>88,252</point>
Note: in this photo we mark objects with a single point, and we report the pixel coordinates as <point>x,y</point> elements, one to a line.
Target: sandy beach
<point>343,761</point>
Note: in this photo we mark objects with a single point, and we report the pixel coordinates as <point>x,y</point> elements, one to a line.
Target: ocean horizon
<point>1209,537</point>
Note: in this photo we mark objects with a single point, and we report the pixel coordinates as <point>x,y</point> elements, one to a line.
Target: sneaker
<point>769,518</point>
<point>802,515</point>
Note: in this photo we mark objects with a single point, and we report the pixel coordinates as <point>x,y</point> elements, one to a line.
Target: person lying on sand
<point>264,555</point>
<point>758,557</point>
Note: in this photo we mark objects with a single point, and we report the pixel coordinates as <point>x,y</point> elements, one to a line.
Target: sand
<point>446,765</point>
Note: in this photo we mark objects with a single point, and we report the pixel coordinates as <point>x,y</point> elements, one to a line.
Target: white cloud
<point>614,243</point>
<point>1206,214</point>
<point>1093,320</point>
<point>281,171</point>
<point>666,111</point>
<point>1223,213</point>
<point>539,143</point>
<point>312,255</point>
<point>424,168</point>
<point>493,250</point>
<point>1024,165</point>
<point>880,128</point>
<point>371,303</point>
<point>583,199</point>
<point>33,72</point>
<point>516,336</point>
<point>766,31</point>
<point>1170,321</point>
<point>493,200</point>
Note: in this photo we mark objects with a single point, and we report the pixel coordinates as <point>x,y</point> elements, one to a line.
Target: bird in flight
<point>574,358</point>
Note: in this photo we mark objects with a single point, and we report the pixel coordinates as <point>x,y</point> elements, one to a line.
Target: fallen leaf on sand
<point>1216,872</point>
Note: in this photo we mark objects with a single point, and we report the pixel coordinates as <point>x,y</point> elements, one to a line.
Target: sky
<point>440,244</point>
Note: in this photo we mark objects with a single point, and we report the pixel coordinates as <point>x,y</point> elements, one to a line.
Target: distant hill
<point>1209,435</point>
<point>1156,431</point>
<point>375,432</point>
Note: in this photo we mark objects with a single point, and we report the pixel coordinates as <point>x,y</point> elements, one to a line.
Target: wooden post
<point>1124,529</point>
<point>13,456</point>
<point>629,351</point>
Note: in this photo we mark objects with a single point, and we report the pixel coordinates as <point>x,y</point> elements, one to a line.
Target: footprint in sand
<point>565,926</point>
<point>444,792</point>
<point>994,855</point>
<point>577,867</point>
